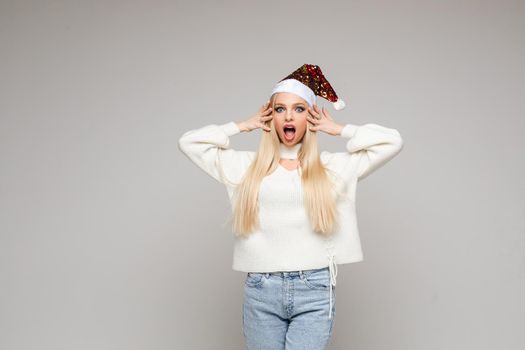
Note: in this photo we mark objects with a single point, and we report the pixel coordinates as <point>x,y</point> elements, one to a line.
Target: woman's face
<point>289,117</point>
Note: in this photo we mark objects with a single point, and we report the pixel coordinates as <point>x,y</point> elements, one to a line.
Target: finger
<point>313,113</point>
<point>265,112</point>
<point>268,117</point>
<point>312,119</point>
<point>322,113</point>
<point>325,112</point>
<point>261,123</point>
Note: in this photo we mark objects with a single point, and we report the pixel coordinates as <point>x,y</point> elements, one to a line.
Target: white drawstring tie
<point>332,267</point>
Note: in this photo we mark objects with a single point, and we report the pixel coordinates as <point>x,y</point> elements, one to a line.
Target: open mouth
<point>289,133</point>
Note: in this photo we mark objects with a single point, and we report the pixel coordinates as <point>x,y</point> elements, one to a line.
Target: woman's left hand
<point>323,121</point>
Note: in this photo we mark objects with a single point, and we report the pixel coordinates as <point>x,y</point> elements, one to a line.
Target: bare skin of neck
<point>289,164</point>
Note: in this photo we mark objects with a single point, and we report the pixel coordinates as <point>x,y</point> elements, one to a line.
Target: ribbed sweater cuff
<point>349,130</point>
<point>230,128</point>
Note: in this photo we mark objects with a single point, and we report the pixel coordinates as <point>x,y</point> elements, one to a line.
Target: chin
<point>290,143</point>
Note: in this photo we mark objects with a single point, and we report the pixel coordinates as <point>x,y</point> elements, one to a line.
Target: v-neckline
<point>289,170</point>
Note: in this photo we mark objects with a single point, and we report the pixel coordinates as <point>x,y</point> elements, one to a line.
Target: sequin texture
<point>312,76</point>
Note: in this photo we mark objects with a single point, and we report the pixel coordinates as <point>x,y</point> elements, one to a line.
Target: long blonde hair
<point>319,194</point>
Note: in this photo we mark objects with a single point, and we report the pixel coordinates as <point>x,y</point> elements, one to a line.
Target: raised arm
<point>369,147</point>
<point>209,148</point>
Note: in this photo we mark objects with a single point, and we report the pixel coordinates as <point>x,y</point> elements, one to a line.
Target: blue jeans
<point>288,310</point>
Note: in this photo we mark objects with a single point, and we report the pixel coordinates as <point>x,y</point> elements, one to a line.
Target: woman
<point>293,213</point>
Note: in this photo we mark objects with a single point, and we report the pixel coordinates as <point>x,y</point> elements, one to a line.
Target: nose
<point>288,115</point>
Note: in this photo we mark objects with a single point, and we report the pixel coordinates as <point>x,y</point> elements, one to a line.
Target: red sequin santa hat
<point>308,81</point>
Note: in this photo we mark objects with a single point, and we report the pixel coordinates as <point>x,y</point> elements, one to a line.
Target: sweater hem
<point>339,261</point>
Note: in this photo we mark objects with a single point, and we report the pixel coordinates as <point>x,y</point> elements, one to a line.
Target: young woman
<point>293,207</point>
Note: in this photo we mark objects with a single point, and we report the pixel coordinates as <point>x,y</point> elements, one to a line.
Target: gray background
<point>112,239</point>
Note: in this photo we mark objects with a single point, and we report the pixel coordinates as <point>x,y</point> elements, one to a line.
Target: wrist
<point>240,125</point>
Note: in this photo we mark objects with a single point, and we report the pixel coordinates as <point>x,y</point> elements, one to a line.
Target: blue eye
<point>278,109</point>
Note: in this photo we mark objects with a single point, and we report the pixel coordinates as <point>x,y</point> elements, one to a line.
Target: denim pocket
<point>317,279</point>
<point>254,279</point>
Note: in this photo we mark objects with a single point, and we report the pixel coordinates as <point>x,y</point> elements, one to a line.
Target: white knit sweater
<point>285,240</point>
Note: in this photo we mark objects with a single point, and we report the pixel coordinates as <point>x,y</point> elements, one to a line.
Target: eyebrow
<point>295,104</point>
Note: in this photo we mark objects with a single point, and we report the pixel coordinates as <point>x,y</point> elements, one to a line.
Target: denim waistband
<point>297,273</point>
<point>332,269</point>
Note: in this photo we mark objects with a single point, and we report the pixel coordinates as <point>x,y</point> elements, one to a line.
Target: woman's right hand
<point>258,120</point>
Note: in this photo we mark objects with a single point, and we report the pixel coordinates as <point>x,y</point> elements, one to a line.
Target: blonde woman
<point>293,207</point>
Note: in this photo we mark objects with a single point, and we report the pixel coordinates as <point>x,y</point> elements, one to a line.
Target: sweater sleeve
<point>208,147</point>
<point>369,147</point>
